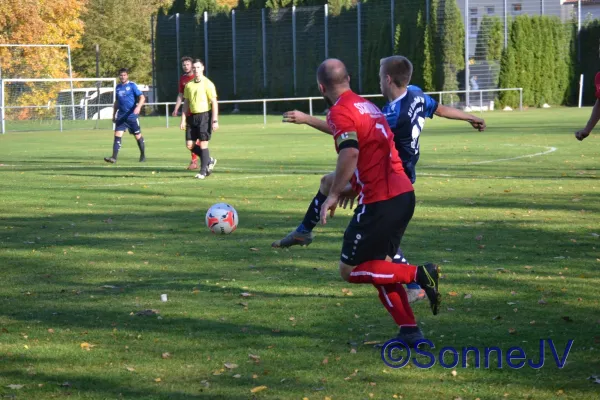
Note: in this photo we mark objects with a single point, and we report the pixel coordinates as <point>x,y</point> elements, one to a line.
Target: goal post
<point>30,103</point>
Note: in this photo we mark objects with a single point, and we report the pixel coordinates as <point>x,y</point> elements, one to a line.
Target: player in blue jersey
<point>126,111</point>
<point>406,111</point>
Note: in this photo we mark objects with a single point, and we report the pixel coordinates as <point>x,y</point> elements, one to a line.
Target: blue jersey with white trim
<point>127,96</point>
<point>406,117</point>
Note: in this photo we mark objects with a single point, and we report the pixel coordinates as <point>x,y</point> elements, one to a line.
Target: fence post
<point>167,113</point>
<point>578,30</point>
<point>520,99</point>
<point>264,112</point>
<point>326,27</point>
<point>177,42</point>
<point>505,24</point>
<point>310,107</point>
<point>154,98</point>
<point>427,11</point>
<point>264,46</point>
<point>481,100</point>
<point>542,11</point>
<point>234,59</point>
<point>294,44</point>
<point>393,28</point>
<point>467,28</point>
<point>359,37</point>
<point>206,41</point>
<point>326,31</point>
<point>2,115</point>
<point>71,82</point>
<point>440,98</point>
<point>580,90</point>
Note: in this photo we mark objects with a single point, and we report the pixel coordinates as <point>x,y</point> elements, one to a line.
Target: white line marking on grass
<point>550,150</point>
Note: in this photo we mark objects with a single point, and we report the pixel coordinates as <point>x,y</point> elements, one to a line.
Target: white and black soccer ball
<point>222,219</point>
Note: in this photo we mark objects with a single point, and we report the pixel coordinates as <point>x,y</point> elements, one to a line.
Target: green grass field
<point>511,214</point>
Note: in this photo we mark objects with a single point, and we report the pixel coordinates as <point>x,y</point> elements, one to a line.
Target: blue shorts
<point>132,123</point>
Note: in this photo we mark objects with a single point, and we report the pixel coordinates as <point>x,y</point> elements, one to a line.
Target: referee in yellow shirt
<point>200,98</point>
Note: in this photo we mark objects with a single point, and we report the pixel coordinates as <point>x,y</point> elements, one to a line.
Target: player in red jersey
<point>595,117</point>
<point>188,75</point>
<point>369,167</point>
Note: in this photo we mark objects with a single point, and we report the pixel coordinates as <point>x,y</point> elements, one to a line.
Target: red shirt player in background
<point>369,166</point>
<point>595,117</point>
<point>188,75</point>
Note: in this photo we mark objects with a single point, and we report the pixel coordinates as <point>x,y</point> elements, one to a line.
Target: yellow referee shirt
<point>199,95</point>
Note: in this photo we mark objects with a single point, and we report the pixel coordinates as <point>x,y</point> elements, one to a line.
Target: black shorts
<point>376,229</point>
<point>198,127</point>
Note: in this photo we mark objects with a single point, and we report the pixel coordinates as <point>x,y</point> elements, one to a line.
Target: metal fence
<point>54,117</point>
<point>274,53</point>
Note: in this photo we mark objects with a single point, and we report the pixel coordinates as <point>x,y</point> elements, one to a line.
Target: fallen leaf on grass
<point>205,383</point>
<point>325,361</point>
<point>511,303</point>
<point>109,287</point>
<point>453,294</point>
<point>254,249</point>
<point>237,376</point>
<point>468,296</point>
<point>254,376</point>
<point>532,323</point>
<point>512,331</point>
<point>353,351</point>
<point>130,369</point>
<point>479,237</point>
<point>454,373</point>
<point>130,252</point>
<point>15,387</point>
<point>254,357</point>
<point>230,365</point>
<point>50,330</point>
<point>157,380</point>
<point>166,355</point>
<point>258,389</point>
<point>245,294</point>
<point>86,346</point>
<point>243,303</point>
<point>542,301</point>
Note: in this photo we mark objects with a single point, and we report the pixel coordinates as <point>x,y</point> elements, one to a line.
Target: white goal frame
<point>67,46</point>
<point>3,83</point>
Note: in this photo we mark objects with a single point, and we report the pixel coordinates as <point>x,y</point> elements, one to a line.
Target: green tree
<point>122,30</point>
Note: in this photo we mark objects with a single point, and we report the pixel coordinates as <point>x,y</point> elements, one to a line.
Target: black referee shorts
<point>376,229</point>
<point>198,127</point>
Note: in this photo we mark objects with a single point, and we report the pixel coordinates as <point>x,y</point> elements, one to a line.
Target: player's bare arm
<point>453,113</point>
<point>300,118</point>
<point>215,114</point>
<point>138,108</point>
<point>346,165</point>
<point>186,107</point>
<point>178,104</point>
<point>594,118</point>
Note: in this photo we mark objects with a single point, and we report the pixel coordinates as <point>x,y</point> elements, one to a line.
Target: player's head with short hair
<point>198,68</point>
<point>186,64</point>
<point>333,79</point>
<point>394,71</point>
<point>123,75</point>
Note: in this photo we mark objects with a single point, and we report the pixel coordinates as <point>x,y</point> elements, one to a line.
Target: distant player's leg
<point>303,235</point>
<point>135,129</point>
<point>119,130</point>
<point>212,162</point>
<point>204,136</point>
<point>192,136</point>
<point>413,290</point>
<point>193,163</point>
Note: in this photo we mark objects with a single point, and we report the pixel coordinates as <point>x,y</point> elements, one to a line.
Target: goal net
<point>39,104</point>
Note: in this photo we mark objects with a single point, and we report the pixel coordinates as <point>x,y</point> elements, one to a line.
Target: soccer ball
<point>221,218</point>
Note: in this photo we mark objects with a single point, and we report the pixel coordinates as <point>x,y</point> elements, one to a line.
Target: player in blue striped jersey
<point>406,111</point>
